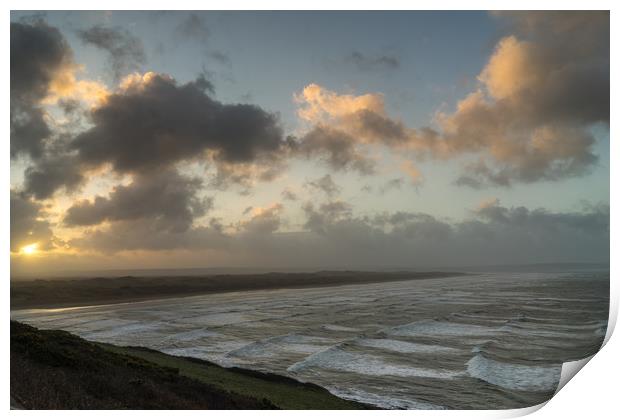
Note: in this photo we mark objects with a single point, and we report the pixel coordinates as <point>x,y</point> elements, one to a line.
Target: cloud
<point>263,221</point>
<point>392,184</point>
<point>365,62</point>
<point>167,199</point>
<point>325,185</point>
<point>51,173</point>
<point>529,118</point>
<point>336,148</point>
<point>288,194</point>
<point>153,122</point>
<point>221,57</point>
<point>413,173</point>
<point>539,93</point>
<point>343,125</point>
<point>326,215</point>
<point>125,51</point>
<point>194,27</point>
<point>28,224</point>
<point>334,236</point>
<point>318,104</point>
<point>143,234</point>
<point>42,73</point>
<point>39,53</point>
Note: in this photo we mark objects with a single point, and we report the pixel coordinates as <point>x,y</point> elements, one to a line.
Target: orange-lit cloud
<point>65,85</point>
<point>318,104</point>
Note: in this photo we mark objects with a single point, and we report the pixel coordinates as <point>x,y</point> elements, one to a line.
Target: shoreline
<point>65,294</point>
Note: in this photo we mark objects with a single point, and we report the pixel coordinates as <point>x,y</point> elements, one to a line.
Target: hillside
<point>53,369</point>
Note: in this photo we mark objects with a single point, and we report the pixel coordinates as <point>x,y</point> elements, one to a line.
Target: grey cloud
<point>334,236</point>
<point>221,57</point>
<point>194,27</point>
<point>38,53</point>
<point>392,184</point>
<point>51,173</point>
<point>125,51</point>
<point>373,63</point>
<point>326,215</point>
<point>289,195</point>
<point>324,184</point>
<point>162,123</point>
<point>168,199</point>
<point>264,222</point>
<point>143,234</point>
<point>336,148</point>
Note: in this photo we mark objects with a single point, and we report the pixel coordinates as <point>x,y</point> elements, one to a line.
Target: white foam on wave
<point>340,360</point>
<point>549,331</point>
<point>441,328</point>
<point>330,327</point>
<point>123,331</point>
<point>193,335</point>
<point>219,319</point>
<point>513,376</point>
<point>383,401</point>
<point>275,346</point>
<point>404,346</point>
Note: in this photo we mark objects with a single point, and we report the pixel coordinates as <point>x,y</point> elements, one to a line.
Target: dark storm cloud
<point>373,63</point>
<point>168,199</point>
<point>158,123</point>
<point>27,224</point>
<point>38,53</point>
<point>28,131</point>
<point>125,51</point>
<point>51,173</point>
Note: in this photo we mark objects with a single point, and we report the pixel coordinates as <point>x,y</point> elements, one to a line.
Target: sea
<point>480,341</point>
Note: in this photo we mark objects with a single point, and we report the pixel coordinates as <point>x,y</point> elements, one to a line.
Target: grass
<point>53,369</point>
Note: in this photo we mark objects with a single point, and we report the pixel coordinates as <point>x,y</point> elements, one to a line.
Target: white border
<point>593,394</point>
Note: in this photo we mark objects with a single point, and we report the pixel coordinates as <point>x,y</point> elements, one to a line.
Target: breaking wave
<point>513,376</point>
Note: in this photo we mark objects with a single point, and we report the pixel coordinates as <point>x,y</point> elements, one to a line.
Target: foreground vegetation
<point>53,369</point>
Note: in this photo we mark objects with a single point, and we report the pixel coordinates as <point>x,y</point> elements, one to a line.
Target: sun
<point>30,249</point>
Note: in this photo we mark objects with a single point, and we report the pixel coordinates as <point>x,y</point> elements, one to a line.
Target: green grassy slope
<point>58,370</point>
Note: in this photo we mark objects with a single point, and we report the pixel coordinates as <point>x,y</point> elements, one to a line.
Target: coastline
<point>60,294</point>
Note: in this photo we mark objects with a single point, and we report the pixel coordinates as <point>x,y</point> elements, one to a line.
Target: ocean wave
<point>274,346</point>
<point>513,376</point>
<point>441,328</point>
<point>335,358</point>
<point>383,401</point>
<point>404,346</point>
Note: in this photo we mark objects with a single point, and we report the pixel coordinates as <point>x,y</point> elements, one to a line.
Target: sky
<point>308,139</point>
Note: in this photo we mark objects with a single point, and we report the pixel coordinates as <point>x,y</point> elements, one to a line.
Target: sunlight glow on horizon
<point>30,249</point>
